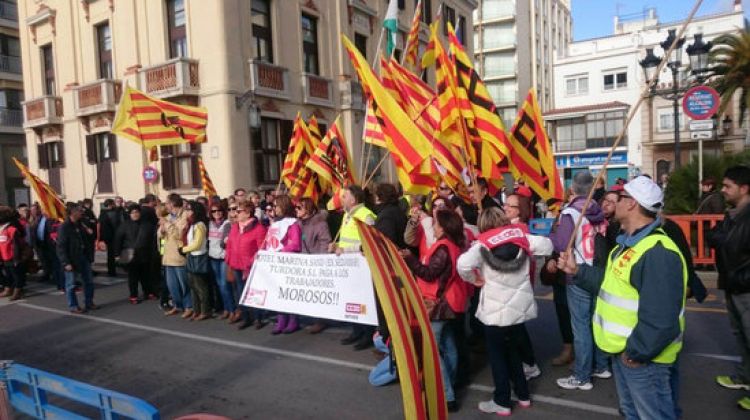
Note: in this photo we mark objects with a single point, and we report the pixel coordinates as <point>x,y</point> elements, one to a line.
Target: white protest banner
<point>319,285</point>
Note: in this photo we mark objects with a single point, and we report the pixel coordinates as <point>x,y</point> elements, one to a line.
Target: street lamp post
<point>698,53</point>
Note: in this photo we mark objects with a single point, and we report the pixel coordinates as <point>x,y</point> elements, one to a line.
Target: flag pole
<point>364,160</point>
<point>631,114</point>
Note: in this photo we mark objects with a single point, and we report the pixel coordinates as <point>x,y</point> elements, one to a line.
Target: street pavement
<point>184,367</point>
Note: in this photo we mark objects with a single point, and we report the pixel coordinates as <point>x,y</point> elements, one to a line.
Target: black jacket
<point>470,211</point>
<point>72,244</point>
<point>138,235</point>
<point>109,221</point>
<point>391,222</point>
<point>711,203</point>
<point>731,239</point>
<point>49,228</point>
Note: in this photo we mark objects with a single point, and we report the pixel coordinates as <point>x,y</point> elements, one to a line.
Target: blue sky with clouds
<point>594,18</point>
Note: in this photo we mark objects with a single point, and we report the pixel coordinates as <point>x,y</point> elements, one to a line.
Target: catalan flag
<point>373,133</point>
<point>299,151</point>
<point>402,136</point>
<point>531,155</point>
<point>155,122</point>
<point>331,160</point>
<point>417,355</point>
<point>51,204</point>
<point>412,40</point>
<point>206,184</point>
<point>485,127</point>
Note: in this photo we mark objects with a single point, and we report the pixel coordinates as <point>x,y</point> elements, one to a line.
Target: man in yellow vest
<point>353,199</point>
<point>640,304</point>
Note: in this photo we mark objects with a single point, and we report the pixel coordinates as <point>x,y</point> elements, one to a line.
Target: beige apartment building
<point>12,139</point>
<point>254,64</point>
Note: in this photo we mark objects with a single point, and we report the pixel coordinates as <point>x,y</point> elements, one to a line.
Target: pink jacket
<point>241,247</point>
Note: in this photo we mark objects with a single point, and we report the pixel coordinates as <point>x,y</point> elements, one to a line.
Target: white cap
<point>645,191</point>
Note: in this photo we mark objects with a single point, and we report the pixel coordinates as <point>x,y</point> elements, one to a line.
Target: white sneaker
<point>524,403</point>
<point>572,383</point>
<point>491,407</point>
<point>531,372</point>
<point>602,374</point>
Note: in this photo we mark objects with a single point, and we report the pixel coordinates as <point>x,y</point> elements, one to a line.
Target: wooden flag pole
<point>631,114</point>
<point>372,175</point>
<point>364,160</point>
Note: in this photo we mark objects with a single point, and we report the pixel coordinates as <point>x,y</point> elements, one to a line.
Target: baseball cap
<point>645,191</point>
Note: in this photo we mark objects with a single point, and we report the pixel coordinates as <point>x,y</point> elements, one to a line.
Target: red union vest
<point>457,292</point>
<point>510,234</point>
<point>7,236</point>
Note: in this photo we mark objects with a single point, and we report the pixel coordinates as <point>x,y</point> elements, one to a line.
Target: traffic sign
<point>699,125</point>
<point>701,135</point>
<point>700,102</point>
<point>150,174</point>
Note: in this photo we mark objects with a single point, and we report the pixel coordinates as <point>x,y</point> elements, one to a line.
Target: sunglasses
<point>216,211</point>
<point>298,207</point>
<point>445,188</point>
<point>233,209</point>
<point>241,211</point>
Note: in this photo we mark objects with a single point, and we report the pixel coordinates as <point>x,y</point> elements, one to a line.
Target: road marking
<point>305,356</point>
<point>726,357</point>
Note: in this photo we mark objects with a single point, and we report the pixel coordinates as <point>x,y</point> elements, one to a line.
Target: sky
<point>594,18</point>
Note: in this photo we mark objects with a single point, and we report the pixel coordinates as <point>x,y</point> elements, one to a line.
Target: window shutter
<point>167,168</point>
<point>91,149</point>
<point>43,156</point>
<point>112,139</point>
<point>61,151</point>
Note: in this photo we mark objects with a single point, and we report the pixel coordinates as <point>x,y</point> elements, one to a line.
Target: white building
<point>514,46</point>
<point>597,81</point>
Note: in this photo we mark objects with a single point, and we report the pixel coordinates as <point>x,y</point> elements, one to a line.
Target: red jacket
<point>456,292</point>
<point>242,246</point>
<point>7,243</point>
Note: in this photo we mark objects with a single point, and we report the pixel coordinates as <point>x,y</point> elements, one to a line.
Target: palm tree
<point>730,70</point>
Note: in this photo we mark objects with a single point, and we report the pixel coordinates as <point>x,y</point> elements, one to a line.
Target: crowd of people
<point>619,293</point>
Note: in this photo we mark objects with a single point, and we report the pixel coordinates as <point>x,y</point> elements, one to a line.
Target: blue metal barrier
<point>111,405</point>
<point>541,227</point>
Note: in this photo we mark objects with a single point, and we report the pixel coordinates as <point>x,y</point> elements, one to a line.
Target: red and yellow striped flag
<point>373,133</point>
<point>411,50</point>
<point>417,356</point>
<point>402,136</point>
<point>531,156</point>
<point>51,204</point>
<point>299,151</point>
<point>154,122</point>
<point>331,160</point>
<point>206,184</point>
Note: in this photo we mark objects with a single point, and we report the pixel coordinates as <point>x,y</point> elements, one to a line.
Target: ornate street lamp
<point>698,55</point>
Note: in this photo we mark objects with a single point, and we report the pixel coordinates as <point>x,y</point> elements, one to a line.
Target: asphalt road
<point>186,367</point>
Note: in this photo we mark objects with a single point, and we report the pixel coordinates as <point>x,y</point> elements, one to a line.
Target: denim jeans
<point>84,269</point>
<point>504,345</point>
<point>219,275</point>
<point>448,356</point>
<point>177,283</point>
<point>588,357</point>
<point>645,391</point>
<point>738,309</point>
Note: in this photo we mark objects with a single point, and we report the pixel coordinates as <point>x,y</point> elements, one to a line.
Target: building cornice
<point>43,15</point>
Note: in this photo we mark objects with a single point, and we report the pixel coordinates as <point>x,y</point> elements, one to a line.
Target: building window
<point>9,10</point>
<point>502,91</point>
<point>571,135</point>
<point>104,46</point>
<point>602,128</point>
<point>449,16</point>
<point>360,41</point>
<point>48,70</point>
<point>401,4</point>
<point>498,36</point>
<point>10,54</point>
<point>179,166</point>
<point>11,99</point>
<point>310,44</point>
<point>270,144</point>
<point>176,27</point>
<point>508,116</point>
<point>426,10</point>
<point>666,120</point>
<point>615,80</point>
<point>500,64</point>
<point>461,30</point>
<point>261,17</point>
<point>492,9</point>
<point>577,85</point>
<point>101,150</point>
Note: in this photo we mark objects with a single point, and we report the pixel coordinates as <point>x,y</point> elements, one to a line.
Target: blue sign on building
<point>590,159</point>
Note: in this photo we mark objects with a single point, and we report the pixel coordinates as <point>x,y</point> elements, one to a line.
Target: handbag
<point>126,256</point>
<point>197,264</point>
<point>439,309</point>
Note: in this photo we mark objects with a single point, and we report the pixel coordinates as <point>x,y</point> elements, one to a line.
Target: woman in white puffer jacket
<point>500,262</point>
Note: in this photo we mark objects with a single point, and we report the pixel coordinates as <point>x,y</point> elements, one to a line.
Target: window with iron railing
<point>9,10</point>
